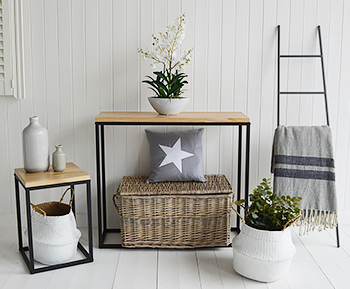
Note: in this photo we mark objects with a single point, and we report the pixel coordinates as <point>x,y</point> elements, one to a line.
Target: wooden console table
<point>152,118</point>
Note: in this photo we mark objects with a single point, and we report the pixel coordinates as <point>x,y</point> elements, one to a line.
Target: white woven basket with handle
<point>55,233</point>
<point>261,255</point>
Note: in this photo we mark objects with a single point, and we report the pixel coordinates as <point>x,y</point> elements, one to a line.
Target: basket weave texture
<point>175,214</point>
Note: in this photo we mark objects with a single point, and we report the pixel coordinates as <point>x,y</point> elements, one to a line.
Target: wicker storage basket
<point>174,214</point>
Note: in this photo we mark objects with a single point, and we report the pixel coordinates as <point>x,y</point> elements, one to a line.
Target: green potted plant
<point>168,83</point>
<point>263,250</point>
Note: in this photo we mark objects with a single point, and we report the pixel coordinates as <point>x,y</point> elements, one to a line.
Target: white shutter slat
<point>6,71</point>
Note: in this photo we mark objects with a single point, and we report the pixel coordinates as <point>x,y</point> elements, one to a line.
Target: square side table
<point>71,176</point>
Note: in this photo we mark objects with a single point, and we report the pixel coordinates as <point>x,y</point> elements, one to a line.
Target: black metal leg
<point>18,210</point>
<point>73,201</point>
<point>98,174</point>
<point>30,233</point>
<point>337,233</point>
<point>103,161</point>
<point>247,151</point>
<point>88,196</point>
<point>278,75</point>
<point>239,173</point>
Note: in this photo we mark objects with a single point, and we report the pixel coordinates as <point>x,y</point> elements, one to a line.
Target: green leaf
<point>161,75</point>
<point>267,211</point>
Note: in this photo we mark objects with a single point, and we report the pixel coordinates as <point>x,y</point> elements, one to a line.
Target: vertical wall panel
<point>254,77</point>
<point>283,19</point>
<point>227,85</point>
<point>213,85</point>
<point>145,32</point>
<point>92,71</point>
<point>318,108</point>
<point>65,76</point>
<point>119,94</point>
<point>38,48</point>
<point>342,148</point>
<point>294,64</point>
<point>310,67</point>
<point>241,55</point>
<point>79,101</point>
<point>81,58</point>
<point>200,56</point>
<point>52,88</point>
<point>188,7</point>
<point>79,84</point>
<point>5,203</point>
<point>267,120</point>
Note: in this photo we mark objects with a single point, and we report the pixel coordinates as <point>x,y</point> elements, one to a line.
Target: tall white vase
<point>35,147</point>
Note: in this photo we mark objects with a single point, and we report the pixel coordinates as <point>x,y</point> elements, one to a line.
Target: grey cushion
<point>176,156</point>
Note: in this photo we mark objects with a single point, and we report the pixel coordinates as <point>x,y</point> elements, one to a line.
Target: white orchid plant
<point>167,51</point>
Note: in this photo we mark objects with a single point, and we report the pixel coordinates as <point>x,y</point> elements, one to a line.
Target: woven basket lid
<point>216,184</point>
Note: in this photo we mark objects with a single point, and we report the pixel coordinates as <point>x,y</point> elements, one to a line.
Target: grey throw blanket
<point>303,165</point>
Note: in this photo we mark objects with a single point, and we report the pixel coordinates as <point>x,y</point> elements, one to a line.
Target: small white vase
<point>261,255</point>
<point>35,147</point>
<point>59,159</point>
<point>168,106</point>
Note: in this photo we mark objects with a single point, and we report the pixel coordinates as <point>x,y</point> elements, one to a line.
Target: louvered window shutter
<point>11,49</point>
<point>6,69</point>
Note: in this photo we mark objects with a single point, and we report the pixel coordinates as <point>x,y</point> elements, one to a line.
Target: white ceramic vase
<point>168,106</point>
<point>59,159</point>
<point>261,255</point>
<point>35,147</point>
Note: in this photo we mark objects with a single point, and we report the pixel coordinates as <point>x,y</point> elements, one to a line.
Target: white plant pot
<point>261,255</point>
<point>168,106</point>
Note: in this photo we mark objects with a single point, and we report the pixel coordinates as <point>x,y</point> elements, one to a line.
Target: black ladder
<point>324,92</point>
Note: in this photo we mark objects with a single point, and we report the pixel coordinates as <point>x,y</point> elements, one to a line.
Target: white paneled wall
<point>81,58</point>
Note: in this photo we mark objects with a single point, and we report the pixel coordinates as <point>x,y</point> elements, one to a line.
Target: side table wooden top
<point>72,173</point>
<point>183,117</point>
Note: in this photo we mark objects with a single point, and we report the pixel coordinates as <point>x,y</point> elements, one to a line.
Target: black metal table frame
<point>30,260</point>
<point>101,169</point>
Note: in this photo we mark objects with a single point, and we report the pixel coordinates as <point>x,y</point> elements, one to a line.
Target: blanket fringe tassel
<point>312,219</point>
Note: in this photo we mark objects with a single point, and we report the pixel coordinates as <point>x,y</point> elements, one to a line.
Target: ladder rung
<point>302,92</point>
<point>301,56</point>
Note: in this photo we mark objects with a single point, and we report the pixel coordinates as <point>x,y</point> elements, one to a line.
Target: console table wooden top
<point>183,117</point>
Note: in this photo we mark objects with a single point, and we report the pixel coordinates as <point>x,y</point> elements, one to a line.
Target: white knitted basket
<point>55,233</point>
<point>261,255</point>
<point>55,238</point>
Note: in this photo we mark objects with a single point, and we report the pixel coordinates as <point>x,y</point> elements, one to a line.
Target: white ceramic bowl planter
<point>261,255</point>
<point>168,106</point>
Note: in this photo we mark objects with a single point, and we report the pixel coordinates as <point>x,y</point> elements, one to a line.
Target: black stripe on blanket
<point>304,174</point>
<point>304,161</point>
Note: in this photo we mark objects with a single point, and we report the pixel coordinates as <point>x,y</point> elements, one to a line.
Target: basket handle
<point>115,203</point>
<point>37,209</point>
<point>71,199</point>
<point>232,203</point>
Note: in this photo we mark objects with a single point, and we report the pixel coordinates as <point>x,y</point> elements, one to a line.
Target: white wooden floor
<point>317,264</point>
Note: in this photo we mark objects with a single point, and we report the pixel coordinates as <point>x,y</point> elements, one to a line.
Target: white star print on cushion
<point>174,155</point>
